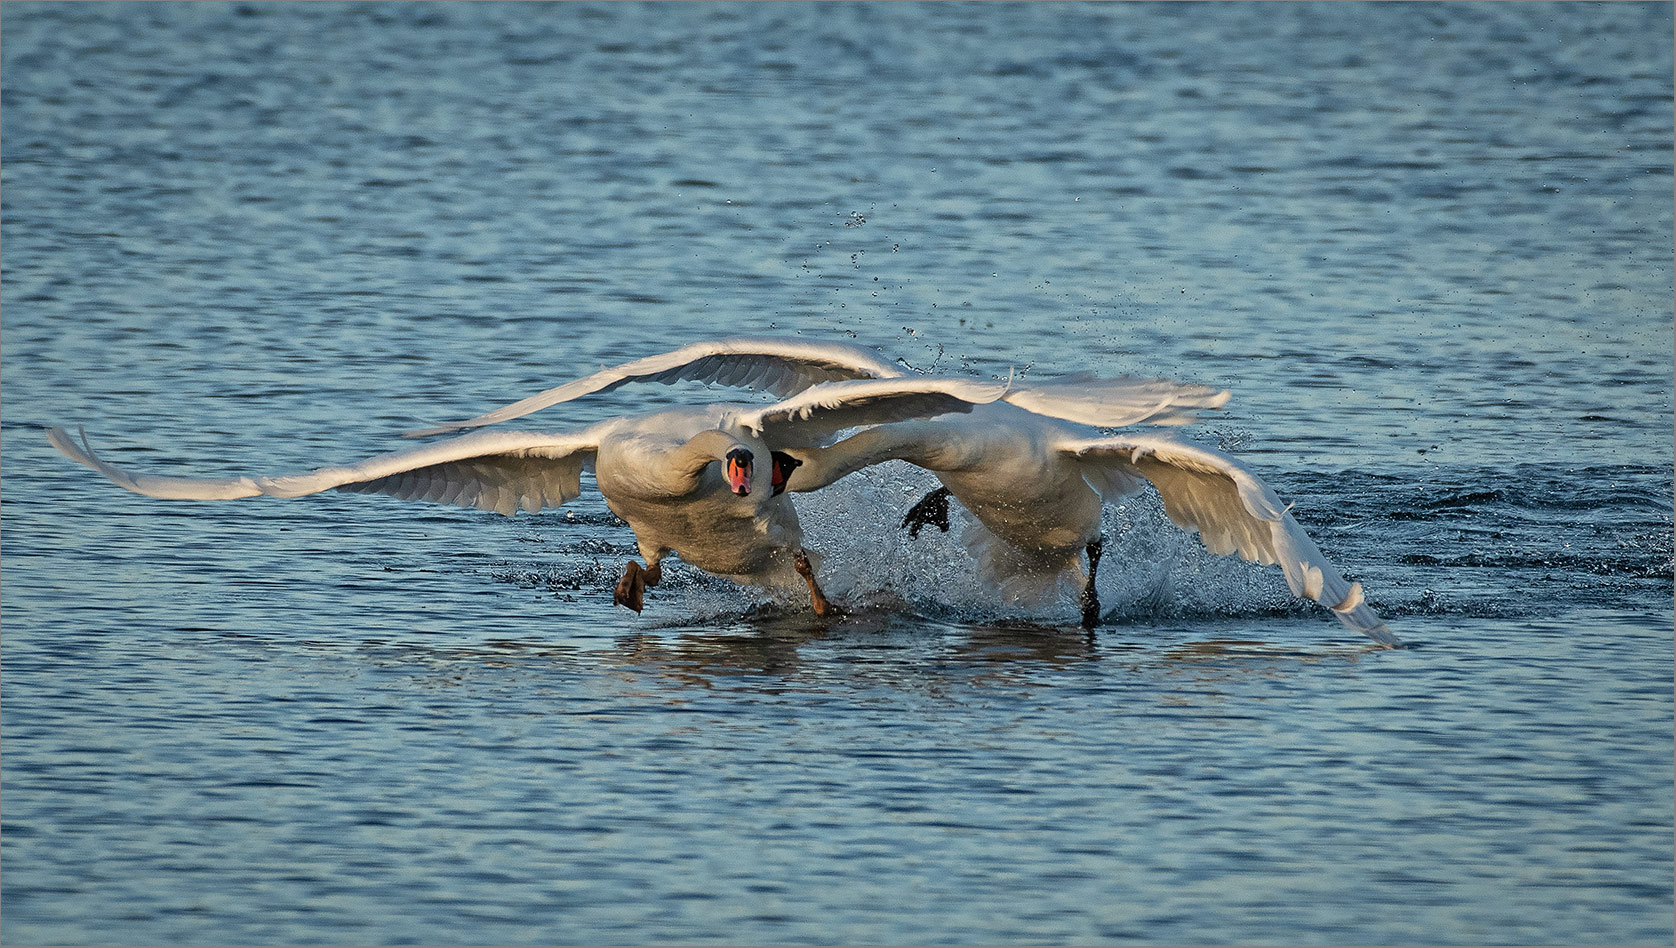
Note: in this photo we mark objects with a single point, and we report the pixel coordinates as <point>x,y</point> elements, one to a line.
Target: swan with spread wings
<point>706,483</point>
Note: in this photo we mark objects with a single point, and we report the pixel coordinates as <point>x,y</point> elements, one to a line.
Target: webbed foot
<point>631,589</point>
<point>817,599</point>
<point>932,509</point>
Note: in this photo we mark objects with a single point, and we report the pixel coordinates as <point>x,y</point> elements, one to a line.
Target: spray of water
<point>1152,569</point>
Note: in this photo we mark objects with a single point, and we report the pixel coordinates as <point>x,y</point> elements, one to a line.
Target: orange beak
<point>739,471</point>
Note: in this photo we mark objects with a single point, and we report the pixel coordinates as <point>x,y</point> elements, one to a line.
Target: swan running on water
<point>1035,487</point>
<point>1030,470</point>
<point>700,482</point>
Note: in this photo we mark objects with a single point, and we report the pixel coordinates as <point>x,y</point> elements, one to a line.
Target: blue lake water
<point>1428,247</point>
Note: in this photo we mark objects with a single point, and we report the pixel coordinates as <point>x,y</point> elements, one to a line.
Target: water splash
<point>1406,535</point>
<point>1152,568</point>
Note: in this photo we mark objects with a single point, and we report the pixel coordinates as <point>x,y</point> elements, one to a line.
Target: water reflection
<point>769,650</point>
<point>1223,651</point>
<point>700,658</point>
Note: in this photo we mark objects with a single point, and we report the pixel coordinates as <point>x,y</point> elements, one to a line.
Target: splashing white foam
<point>1151,568</point>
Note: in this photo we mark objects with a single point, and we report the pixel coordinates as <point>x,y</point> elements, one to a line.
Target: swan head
<point>737,464</point>
<point>784,464</point>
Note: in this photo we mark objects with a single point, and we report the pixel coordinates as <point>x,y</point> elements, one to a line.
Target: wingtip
<point>1383,636</point>
<point>1354,612</point>
<point>61,439</point>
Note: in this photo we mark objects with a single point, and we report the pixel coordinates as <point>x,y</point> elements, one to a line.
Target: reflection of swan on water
<point>1034,483</point>
<point>769,650</point>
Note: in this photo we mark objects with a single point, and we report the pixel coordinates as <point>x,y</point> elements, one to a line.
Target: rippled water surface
<point>1427,247</point>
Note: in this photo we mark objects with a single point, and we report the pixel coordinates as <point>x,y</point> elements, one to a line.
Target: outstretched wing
<point>1234,513</point>
<point>785,367</point>
<point>780,366</point>
<point>503,471</point>
<point>1117,402</point>
<point>810,417</point>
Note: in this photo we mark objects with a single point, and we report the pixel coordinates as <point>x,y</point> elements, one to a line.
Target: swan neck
<point>702,449</point>
<point>904,441</point>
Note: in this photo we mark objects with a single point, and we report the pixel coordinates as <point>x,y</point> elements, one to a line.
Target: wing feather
<point>733,372</point>
<point>1117,402</point>
<point>818,412</point>
<point>758,376</point>
<point>782,367</point>
<point>168,488</point>
<point>501,471</point>
<point>1233,511</point>
<point>785,367</point>
<point>449,494</point>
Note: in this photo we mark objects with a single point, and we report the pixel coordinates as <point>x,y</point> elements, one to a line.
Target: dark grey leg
<point>1090,597</point>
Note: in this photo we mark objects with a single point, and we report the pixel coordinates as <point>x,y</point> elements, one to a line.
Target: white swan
<point>1034,484</point>
<point>686,480</point>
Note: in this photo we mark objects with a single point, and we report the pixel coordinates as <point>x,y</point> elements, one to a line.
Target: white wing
<point>503,471</point>
<point>779,366</point>
<point>813,415</point>
<point>1234,512</point>
<point>785,367</point>
<point>1117,402</point>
